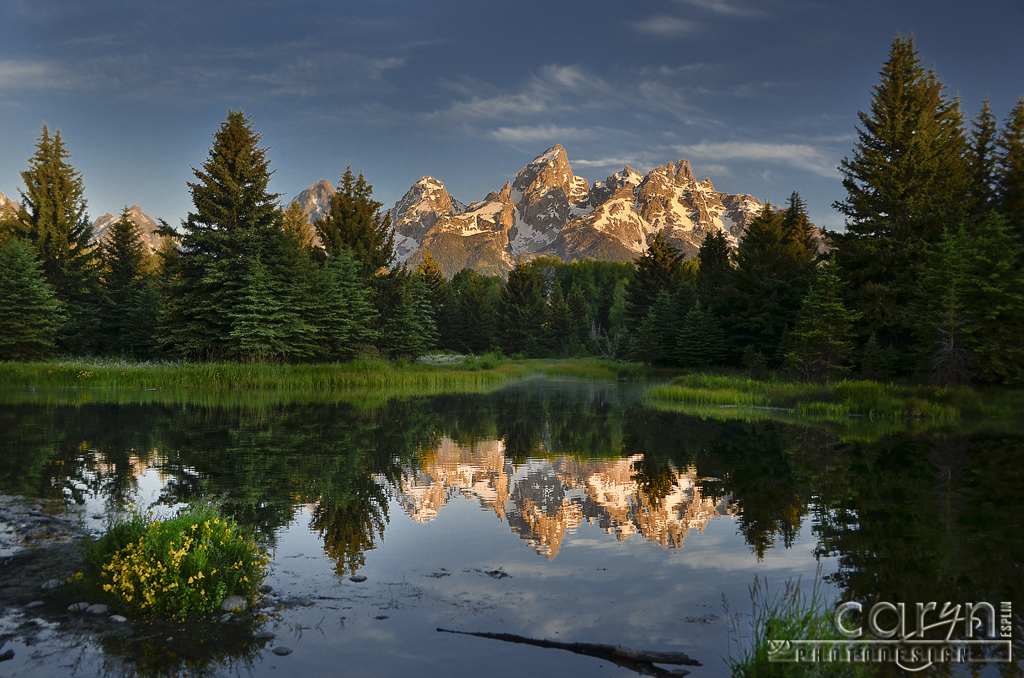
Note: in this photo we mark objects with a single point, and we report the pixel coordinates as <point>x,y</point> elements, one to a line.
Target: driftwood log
<point>636,660</point>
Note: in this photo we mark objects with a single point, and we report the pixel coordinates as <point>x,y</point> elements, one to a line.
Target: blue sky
<point>762,97</point>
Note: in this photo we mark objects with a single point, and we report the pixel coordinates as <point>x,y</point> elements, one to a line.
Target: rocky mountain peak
<point>7,205</point>
<point>549,170</point>
<point>316,199</point>
<point>615,186</point>
<point>148,227</point>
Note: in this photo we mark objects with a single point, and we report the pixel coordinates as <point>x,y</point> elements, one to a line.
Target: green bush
<point>180,567</point>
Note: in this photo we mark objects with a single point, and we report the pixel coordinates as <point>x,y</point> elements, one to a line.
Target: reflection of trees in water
<point>352,525</point>
<point>58,452</point>
<point>909,518</point>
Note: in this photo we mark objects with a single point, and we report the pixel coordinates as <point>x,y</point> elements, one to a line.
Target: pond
<point>571,512</point>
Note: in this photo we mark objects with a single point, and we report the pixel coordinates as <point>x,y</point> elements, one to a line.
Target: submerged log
<point>641,661</point>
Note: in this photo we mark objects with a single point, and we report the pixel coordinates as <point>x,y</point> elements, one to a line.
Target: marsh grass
<point>840,399</point>
<point>791,613</point>
<point>181,567</point>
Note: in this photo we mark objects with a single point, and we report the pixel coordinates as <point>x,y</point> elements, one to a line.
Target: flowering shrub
<point>183,566</point>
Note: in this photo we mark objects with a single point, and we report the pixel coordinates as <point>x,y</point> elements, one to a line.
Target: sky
<point>760,96</point>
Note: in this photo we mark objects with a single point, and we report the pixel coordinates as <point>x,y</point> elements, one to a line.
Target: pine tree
<point>296,223</point>
<point>125,266</point>
<point>344,316</point>
<point>656,270</point>
<point>356,221</point>
<point>521,311</point>
<point>260,322</point>
<point>908,178</point>
<point>558,325</point>
<point>701,340</point>
<point>579,317</point>
<point>438,288</point>
<point>944,304</point>
<point>1010,170</point>
<point>982,160</point>
<point>475,327</point>
<point>992,299</point>
<point>53,218</point>
<point>822,339</point>
<point>715,272</point>
<point>30,314</point>
<point>236,221</point>
<point>774,269</point>
<point>406,327</point>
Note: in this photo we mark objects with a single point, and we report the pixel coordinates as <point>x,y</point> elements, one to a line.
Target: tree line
<point>925,282</point>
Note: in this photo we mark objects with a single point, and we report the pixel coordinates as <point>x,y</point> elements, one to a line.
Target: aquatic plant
<point>780,616</point>
<point>184,566</point>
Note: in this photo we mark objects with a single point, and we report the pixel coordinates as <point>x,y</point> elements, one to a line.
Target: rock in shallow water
<point>9,654</point>
<point>358,578</point>
<point>118,619</point>
<point>78,607</point>
<point>265,635</point>
<point>234,603</point>
<point>281,651</point>
<point>98,608</point>
<point>34,604</point>
<point>52,584</point>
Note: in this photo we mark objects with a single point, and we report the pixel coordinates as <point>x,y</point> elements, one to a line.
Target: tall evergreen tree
<point>1010,170</point>
<point>521,311</point>
<point>53,218</point>
<point>774,270</point>
<point>472,315</point>
<point>357,222</point>
<point>343,312</point>
<point>656,270</point>
<point>701,340</point>
<point>406,326</point>
<point>30,313</point>
<point>438,288</point>
<point>908,178</point>
<point>214,272</point>
<point>972,305</point>
<point>982,159</point>
<point>296,223</point>
<point>125,279</point>
<point>821,343</point>
<point>715,272</point>
<point>558,325</point>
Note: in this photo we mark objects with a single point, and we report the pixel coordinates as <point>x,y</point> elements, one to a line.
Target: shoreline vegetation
<point>718,393</point>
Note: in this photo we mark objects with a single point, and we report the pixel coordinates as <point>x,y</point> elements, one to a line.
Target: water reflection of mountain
<point>542,500</point>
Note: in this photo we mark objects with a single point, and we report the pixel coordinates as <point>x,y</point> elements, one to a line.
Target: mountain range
<point>548,210</point>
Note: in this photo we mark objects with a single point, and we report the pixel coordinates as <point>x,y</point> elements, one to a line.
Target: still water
<point>555,510</point>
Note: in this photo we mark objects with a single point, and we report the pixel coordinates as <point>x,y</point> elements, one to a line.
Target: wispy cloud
<point>801,156</point>
<point>664,26</point>
<point>617,162</point>
<point>553,89</point>
<point>722,7</point>
<point>36,75</point>
<point>537,134</point>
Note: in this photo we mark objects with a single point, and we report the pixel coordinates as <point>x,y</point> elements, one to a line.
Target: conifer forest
<point>925,283</point>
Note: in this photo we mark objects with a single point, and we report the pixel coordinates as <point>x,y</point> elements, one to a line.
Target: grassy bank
<point>841,399</point>
<point>107,380</point>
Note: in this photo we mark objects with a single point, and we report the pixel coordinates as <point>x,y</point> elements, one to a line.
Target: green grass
<point>365,383</point>
<point>780,616</point>
<point>841,399</point>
